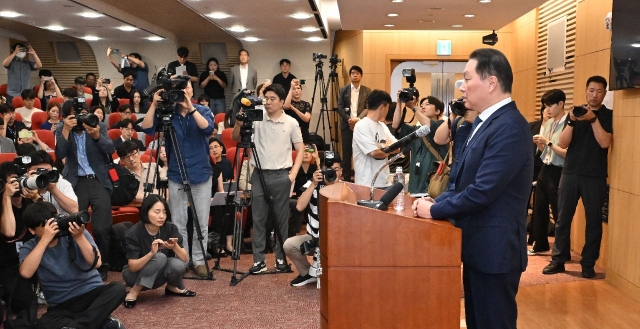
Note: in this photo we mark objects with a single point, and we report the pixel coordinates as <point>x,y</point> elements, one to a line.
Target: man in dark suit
<point>86,150</point>
<point>243,76</point>
<point>489,198</point>
<point>352,108</point>
<point>126,134</point>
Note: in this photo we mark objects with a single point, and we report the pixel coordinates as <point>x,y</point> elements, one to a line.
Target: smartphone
<point>25,134</point>
<point>106,81</point>
<point>212,72</point>
<point>310,149</point>
<point>115,51</point>
<point>303,81</point>
<point>48,78</point>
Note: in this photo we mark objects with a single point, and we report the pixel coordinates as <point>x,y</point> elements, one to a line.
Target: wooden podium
<point>385,269</point>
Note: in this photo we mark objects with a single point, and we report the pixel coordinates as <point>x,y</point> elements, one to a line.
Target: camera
<point>106,81</point>
<point>173,90</point>
<point>319,56</point>
<point>249,103</point>
<point>407,94</point>
<point>457,107</point>
<point>334,60</point>
<point>309,247</point>
<point>490,39</point>
<point>329,174</point>
<point>579,111</point>
<point>21,164</point>
<point>41,179</point>
<point>79,103</point>
<point>81,217</point>
<point>89,119</point>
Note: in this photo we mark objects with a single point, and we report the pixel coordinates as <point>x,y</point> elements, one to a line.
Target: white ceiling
<point>269,20</point>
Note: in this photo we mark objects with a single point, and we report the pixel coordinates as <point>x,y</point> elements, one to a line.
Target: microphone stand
<point>371,203</point>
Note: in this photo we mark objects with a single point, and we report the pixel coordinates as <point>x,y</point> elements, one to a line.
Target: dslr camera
<point>89,119</point>
<point>457,107</point>
<point>407,94</point>
<point>80,218</point>
<point>41,179</point>
<point>329,174</point>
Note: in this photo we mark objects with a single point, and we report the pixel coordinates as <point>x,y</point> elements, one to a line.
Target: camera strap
<point>73,257</point>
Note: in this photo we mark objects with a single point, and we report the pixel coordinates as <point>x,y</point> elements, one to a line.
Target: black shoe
<point>129,303</point>
<point>281,265</point>
<point>185,293</point>
<point>112,323</point>
<point>303,280</point>
<point>588,272</point>
<point>553,268</point>
<point>258,267</point>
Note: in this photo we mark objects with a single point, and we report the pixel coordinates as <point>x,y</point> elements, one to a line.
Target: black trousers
<point>546,195</point>
<point>90,192</point>
<point>14,285</point>
<point>347,154</point>
<point>593,191</point>
<point>295,218</point>
<point>490,299</point>
<point>90,310</point>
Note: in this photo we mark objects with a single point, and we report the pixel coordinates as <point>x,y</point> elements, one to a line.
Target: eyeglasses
<point>130,156</point>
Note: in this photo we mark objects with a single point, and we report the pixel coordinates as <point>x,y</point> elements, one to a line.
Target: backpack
<point>125,184</point>
<point>118,246</point>
<point>25,319</point>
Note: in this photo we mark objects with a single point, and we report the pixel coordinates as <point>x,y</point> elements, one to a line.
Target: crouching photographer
<point>298,247</point>
<point>53,188</point>
<point>65,258</point>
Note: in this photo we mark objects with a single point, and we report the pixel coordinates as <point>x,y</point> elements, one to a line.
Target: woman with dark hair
<point>155,253</point>
<point>298,109</point>
<point>99,112</point>
<point>137,103</point>
<point>53,111</point>
<point>105,98</point>
<point>214,81</point>
<point>48,89</point>
<point>204,100</point>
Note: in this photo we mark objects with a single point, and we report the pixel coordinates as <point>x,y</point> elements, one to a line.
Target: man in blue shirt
<point>137,67</point>
<point>193,124</point>
<point>65,258</point>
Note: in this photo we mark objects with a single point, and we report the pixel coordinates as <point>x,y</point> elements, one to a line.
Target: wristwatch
<point>570,122</point>
<point>550,144</point>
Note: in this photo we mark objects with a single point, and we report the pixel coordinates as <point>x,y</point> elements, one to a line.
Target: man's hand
<point>69,123</point>
<point>157,97</point>
<point>93,131</point>
<point>109,52</point>
<point>292,178</point>
<point>187,103</point>
<point>540,139</point>
<point>76,230</point>
<point>50,230</point>
<point>422,207</point>
<point>352,122</point>
<point>35,136</point>
<point>31,51</point>
<point>30,194</point>
<point>11,187</point>
<point>587,116</point>
<point>318,177</point>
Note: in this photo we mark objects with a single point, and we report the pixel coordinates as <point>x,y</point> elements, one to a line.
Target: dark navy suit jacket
<point>489,198</point>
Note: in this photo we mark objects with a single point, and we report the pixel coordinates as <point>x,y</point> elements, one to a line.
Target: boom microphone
<point>386,198</point>
<point>406,140</point>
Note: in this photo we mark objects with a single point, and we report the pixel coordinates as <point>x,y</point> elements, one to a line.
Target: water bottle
<point>399,177</point>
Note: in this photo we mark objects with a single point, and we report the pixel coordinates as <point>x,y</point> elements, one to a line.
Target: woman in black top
<point>137,103</point>
<point>105,99</point>
<point>155,253</point>
<point>298,109</point>
<point>213,81</point>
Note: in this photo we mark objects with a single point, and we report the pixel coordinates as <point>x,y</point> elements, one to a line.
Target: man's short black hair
<point>40,157</point>
<point>597,79</point>
<point>376,98</point>
<point>276,88</point>
<point>148,203</point>
<point>37,214</point>
<point>136,56</point>
<point>124,107</point>
<point>16,45</point>
<point>126,148</point>
<point>25,149</point>
<point>125,123</point>
<point>127,73</point>
<point>6,108</point>
<point>7,169</point>
<point>28,94</point>
<point>80,81</point>
<point>284,60</point>
<point>241,50</point>
<point>356,68</point>
<point>67,109</point>
<point>436,102</point>
<point>553,96</point>
<point>204,97</point>
<point>492,62</point>
<point>69,93</point>
<point>183,52</point>
<point>90,74</point>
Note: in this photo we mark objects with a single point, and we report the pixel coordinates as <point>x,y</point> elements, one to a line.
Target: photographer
<point>192,124</point>
<point>455,131</point>
<point>87,150</point>
<point>19,69</point>
<point>309,200</point>
<point>587,136</point>
<point>59,193</point>
<point>273,139</point>
<point>424,152</point>
<point>58,255</point>
<point>137,67</point>
<point>129,153</point>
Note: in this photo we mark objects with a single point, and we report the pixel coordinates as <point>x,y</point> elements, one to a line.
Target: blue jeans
<point>218,106</point>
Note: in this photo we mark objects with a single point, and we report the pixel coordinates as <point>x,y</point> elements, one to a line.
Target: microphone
<point>386,198</point>
<point>245,102</point>
<point>406,140</point>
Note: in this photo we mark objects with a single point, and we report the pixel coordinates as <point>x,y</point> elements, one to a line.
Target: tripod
<point>243,200</point>
<point>168,132</point>
<point>324,89</point>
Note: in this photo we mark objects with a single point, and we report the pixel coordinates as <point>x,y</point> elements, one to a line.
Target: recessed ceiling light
<point>251,39</point>
<point>9,14</point>
<point>237,28</point>
<point>392,15</point>
<point>91,38</point>
<point>635,45</point>
<point>427,21</point>
<point>219,15</point>
<point>315,39</point>
<point>469,15</point>
<point>127,28</point>
<point>396,0</point>
<point>456,25</point>
<point>484,1</point>
<point>55,28</point>
<point>434,8</point>
<point>309,29</point>
<point>155,38</point>
<point>90,14</point>
<point>301,16</point>
<point>389,25</point>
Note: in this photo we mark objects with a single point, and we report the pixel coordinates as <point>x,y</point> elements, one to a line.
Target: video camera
<point>80,218</point>
<point>457,107</point>
<point>173,91</point>
<point>248,103</point>
<point>407,94</point>
<point>319,56</point>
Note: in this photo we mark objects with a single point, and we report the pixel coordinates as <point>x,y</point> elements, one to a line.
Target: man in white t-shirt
<point>370,135</point>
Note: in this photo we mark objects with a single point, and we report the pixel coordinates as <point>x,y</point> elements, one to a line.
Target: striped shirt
<point>313,225</point>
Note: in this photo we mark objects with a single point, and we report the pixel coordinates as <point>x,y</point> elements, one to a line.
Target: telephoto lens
<point>80,218</point>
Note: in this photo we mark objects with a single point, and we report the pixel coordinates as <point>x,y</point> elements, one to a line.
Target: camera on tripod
<point>457,107</point>
<point>81,217</point>
<point>407,94</point>
<point>246,101</point>
<point>319,56</point>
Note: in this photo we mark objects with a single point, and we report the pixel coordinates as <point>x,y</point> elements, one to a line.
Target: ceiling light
<point>155,38</point>
<point>434,8</point>
<point>392,15</point>
<point>219,15</point>
<point>309,29</point>
<point>396,0</point>
<point>389,25</point>
<point>469,15</point>
<point>55,28</point>
<point>90,14</point>
<point>456,25</point>
<point>9,14</point>
<point>127,28</point>
<point>91,38</point>
<point>484,1</point>
<point>315,39</point>
<point>237,28</point>
<point>635,45</point>
<point>301,16</point>
<point>427,21</point>
<point>251,39</point>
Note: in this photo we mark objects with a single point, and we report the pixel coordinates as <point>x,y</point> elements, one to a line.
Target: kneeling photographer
<point>65,258</point>
<point>57,190</point>
<point>192,124</point>
<point>298,247</point>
